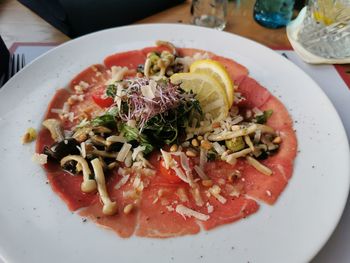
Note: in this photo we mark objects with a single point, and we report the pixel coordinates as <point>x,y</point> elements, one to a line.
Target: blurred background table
<point>19,24</point>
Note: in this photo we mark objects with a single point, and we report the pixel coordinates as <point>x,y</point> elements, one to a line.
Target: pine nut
<point>207,183</point>
<point>128,208</point>
<point>191,153</point>
<point>230,178</point>
<point>206,144</point>
<point>194,142</point>
<point>173,148</point>
<point>277,140</point>
<point>216,125</point>
<point>200,138</point>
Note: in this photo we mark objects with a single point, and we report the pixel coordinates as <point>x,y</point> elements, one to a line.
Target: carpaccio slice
<point>154,210</point>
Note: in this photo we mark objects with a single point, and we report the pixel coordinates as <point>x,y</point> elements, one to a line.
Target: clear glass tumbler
<point>273,13</point>
<point>326,28</point>
<point>210,13</point>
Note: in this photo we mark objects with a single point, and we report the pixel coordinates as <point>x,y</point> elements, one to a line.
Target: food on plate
<point>161,141</point>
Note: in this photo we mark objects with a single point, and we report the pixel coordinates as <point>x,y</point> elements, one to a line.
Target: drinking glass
<point>273,13</point>
<point>210,13</point>
<point>326,28</point>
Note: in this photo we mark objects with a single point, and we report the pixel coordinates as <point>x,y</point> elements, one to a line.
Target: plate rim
<point>7,86</point>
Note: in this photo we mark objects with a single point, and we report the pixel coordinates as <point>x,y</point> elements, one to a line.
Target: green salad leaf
<point>133,134</point>
<point>108,119</point>
<point>111,91</point>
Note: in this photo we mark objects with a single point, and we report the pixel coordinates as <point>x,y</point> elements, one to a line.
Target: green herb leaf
<point>108,119</point>
<point>111,91</point>
<point>263,118</point>
<point>133,134</point>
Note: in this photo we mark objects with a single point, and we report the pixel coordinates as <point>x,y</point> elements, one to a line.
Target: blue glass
<point>273,13</point>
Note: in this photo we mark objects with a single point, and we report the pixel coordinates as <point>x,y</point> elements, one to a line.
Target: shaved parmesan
<point>218,148</point>
<point>210,208</point>
<point>115,138</point>
<point>197,196</point>
<point>200,172</point>
<point>123,152</point>
<point>170,208</point>
<point>215,191</point>
<point>83,149</point>
<point>117,74</point>
<point>128,159</point>
<point>168,160</point>
<point>187,212</point>
<point>122,181</point>
<point>137,151</point>
<point>147,92</point>
<point>203,159</point>
<point>182,194</point>
<point>39,158</point>
<point>180,174</point>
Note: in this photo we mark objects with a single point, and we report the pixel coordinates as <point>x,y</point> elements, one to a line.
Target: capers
<point>235,144</point>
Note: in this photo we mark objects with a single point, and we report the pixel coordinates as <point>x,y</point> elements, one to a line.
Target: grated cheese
<point>210,208</point>
<point>258,166</point>
<point>197,196</point>
<point>187,212</point>
<point>170,208</point>
<point>215,191</point>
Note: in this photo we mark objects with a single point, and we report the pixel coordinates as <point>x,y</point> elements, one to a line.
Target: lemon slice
<point>209,92</point>
<point>218,72</point>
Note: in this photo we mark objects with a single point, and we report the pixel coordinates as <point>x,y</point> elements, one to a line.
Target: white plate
<point>36,226</point>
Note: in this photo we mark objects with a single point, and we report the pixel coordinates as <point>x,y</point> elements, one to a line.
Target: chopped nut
<point>277,140</point>
<point>128,208</point>
<point>174,148</point>
<point>206,144</point>
<point>207,183</point>
<point>216,125</point>
<point>70,101</point>
<point>235,128</point>
<point>29,136</point>
<point>194,142</point>
<point>139,75</point>
<point>191,153</point>
<point>230,178</point>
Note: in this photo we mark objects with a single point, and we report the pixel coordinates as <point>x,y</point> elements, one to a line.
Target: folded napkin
<point>78,17</point>
<point>4,61</point>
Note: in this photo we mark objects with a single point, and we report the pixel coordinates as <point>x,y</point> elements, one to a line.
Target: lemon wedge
<point>218,72</point>
<point>209,92</point>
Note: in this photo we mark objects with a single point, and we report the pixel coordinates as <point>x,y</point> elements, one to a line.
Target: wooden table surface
<point>19,24</point>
